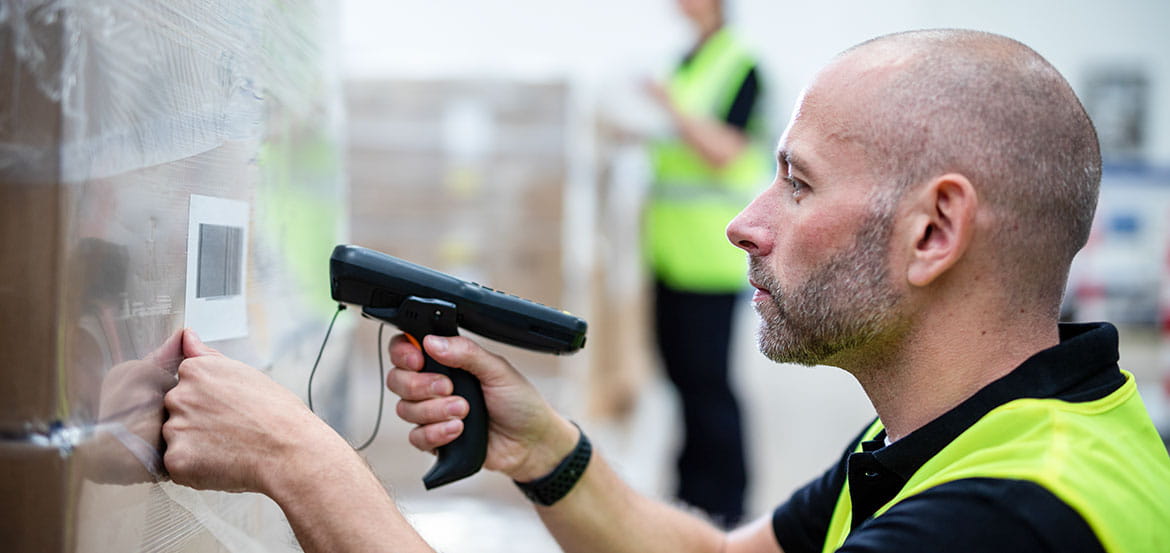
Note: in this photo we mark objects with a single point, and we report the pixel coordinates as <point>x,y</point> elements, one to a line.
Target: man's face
<point>819,244</point>
<point>700,10</point>
<point>842,304</point>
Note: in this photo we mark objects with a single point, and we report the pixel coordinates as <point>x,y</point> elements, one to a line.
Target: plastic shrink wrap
<point>113,114</point>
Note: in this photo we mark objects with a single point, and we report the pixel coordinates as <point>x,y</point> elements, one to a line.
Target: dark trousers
<point>694,336</point>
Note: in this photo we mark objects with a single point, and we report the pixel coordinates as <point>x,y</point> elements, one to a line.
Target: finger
<point>432,411</point>
<point>172,429</point>
<point>434,436</point>
<point>173,402</point>
<point>160,378</point>
<point>168,429</point>
<point>169,353</point>
<point>405,354</point>
<point>188,369</point>
<point>463,353</point>
<point>180,464</point>
<point>194,347</point>
<point>416,386</point>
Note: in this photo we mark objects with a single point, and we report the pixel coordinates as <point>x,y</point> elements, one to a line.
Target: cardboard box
<point>112,117</point>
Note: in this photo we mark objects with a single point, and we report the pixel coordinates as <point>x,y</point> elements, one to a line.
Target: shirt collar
<point>1083,366</point>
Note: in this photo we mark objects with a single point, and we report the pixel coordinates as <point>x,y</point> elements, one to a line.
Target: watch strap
<point>555,485</point>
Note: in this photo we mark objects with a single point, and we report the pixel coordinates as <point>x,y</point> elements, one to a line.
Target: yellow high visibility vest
<point>1103,458</point>
<point>691,200</point>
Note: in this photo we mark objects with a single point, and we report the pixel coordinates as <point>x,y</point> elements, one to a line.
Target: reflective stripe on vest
<point>1103,458</point>
<point>691,200</point>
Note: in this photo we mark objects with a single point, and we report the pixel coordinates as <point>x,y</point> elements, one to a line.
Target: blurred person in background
<point>933,189</point>
<point>703,174</point>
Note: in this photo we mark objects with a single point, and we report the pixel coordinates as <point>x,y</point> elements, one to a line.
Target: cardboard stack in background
<point>506,182</point>
<point>468,176</point>
<point>112,115</point>
<point>495,180</point>
<point>625,360</point>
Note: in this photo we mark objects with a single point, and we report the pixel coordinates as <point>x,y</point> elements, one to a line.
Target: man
<point>932,191</point>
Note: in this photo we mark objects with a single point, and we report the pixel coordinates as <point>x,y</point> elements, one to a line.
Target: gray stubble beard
<point>847,304</point>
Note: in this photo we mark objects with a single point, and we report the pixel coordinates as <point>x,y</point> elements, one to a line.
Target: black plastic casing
<point>369,278</point>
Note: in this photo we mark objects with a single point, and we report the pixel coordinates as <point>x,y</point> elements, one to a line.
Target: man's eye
<point>796,184</point>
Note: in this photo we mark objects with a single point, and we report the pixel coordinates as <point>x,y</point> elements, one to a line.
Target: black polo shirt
<point>976,514</point>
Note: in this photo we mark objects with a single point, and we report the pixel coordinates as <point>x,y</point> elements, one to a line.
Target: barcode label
<point>216,299</point>
<point>221,259</point>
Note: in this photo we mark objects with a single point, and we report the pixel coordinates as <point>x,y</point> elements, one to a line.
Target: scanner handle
<point>463,457</point>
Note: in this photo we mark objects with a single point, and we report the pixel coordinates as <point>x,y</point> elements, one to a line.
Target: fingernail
<point>438,344</point>
<point>451,427</point>
<point>439,388</point>
<point>455,408</point>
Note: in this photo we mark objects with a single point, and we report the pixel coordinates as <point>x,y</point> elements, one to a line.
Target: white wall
<point>596,40</point>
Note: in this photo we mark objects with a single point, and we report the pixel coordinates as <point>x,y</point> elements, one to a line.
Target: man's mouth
<point>759,279</point>
<point>762,293</point>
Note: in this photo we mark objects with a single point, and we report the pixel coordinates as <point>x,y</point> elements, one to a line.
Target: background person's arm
<point>715,140</point>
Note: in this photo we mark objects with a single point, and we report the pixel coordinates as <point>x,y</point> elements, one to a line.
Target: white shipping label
<point>217,254</point>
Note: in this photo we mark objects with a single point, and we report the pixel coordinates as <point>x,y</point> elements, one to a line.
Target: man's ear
<point>943,223</point>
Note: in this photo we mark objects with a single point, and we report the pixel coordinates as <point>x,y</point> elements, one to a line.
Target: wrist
<point>554,486</point>
<point>308,460</point>
<point>548,451</point>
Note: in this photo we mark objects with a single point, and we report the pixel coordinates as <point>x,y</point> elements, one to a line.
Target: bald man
<point>933,188</point>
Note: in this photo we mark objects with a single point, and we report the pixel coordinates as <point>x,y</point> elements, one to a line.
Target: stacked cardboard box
<point>112,115</point>
<point>468,176</point>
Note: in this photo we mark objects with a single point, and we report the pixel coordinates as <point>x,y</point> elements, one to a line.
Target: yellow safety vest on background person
<point>692,201</point>
<point>1103,458</point>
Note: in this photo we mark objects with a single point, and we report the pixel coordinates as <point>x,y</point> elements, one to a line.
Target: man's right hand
<point>526,437</point>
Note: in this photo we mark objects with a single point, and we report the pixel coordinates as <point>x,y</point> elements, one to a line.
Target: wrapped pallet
<point>162,165</point>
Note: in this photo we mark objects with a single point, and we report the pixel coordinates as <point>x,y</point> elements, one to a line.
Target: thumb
<point>194,347</point>
<point>463,353</point>
<point>170,353</point>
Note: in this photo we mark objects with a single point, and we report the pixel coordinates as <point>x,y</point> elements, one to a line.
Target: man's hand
<point>125,449</point>
<point>233,428</point>
<point>526,437</point>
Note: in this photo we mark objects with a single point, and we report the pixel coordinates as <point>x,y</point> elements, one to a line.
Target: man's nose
<point>748,230</point>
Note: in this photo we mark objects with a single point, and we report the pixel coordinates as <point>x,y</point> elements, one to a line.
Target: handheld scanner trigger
<point>419,317</point>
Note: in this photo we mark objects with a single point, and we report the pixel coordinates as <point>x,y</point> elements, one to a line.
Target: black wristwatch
<point>551,487</point>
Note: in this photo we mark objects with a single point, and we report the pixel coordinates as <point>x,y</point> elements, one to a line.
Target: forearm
<point>603,514</point>
<point>717,142</point>
<point>334,503</point>
<point>529,441</point>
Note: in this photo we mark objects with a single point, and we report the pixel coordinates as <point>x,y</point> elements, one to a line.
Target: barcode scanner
<point>421,301</point>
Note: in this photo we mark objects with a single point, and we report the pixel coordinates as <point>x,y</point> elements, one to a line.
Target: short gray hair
<point>992,109</point>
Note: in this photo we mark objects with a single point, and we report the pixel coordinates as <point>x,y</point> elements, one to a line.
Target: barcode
<point>220,260</point>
